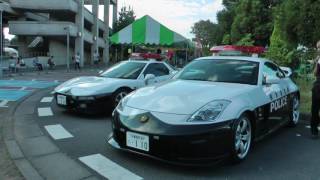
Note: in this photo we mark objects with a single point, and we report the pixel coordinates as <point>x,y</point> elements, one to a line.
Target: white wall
<point>59,51</point>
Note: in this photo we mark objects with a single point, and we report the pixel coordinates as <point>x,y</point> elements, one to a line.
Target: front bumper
<point>98,104</point>
<point>186,145</point>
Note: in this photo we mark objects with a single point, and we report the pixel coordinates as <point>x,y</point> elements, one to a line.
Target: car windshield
<point>229,71</point>
<point>125,70</point>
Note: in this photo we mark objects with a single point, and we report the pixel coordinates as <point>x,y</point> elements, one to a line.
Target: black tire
<point>118,95</point>
<point>242,140</point>
<point>294,111</point>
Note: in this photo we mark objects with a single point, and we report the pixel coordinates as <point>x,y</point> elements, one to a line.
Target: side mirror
<point>287,71</point>
<point>149,77</point>
<point>271,80</point>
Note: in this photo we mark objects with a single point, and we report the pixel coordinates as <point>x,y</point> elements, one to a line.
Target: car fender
<point>116,85</point>
<point>237,107</point>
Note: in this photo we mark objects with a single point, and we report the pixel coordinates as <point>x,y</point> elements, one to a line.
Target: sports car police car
<point>93,94</point>
<point>213,108</point>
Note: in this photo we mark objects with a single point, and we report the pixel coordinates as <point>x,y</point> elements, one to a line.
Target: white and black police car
<point>94,94</point>
<point>213,108</point>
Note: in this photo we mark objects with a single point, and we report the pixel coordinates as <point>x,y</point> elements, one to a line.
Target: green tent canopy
<point>146,30</point>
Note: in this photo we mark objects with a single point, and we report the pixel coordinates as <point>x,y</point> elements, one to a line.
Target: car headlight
<point>122,104</point>
<point>86,98</point>
<point>210,111</point>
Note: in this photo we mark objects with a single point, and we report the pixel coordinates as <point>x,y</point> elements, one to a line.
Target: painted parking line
<point>108,168</point>
<point>46,100</point>
<point>42,112</point>
<point>309,127</point>
<point>58,132</point>
<point>3,104</point>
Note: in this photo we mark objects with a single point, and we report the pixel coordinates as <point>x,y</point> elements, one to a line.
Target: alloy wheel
<point>243,138</point>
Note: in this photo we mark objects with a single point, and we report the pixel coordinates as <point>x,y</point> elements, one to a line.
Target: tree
<point>207,33</point>
<point>278,50</point>
<point>246,41</point>
<point>252,17</point>
<point>300,21</point>
<point>126,17</point>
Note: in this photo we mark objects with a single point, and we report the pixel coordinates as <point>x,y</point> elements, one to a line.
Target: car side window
<point>272,70</point>
<point>157,69</point>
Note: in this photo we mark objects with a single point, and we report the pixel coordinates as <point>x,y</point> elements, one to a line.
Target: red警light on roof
<point>147,56</point>
<point>244,49</point>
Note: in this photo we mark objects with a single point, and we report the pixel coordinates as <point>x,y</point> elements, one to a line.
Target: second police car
<point>94,94</point>
<point>215,107</point>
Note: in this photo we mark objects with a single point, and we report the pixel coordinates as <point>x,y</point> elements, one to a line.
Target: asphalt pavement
<point>47,142</point>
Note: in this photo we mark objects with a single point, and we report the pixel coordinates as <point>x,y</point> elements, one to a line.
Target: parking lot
<point>53,141</point>
<point>288,154</point>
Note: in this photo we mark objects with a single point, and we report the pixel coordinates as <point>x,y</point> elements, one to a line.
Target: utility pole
<point>68,47</point>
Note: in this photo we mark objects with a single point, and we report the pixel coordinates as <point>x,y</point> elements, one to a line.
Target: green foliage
<point>252,17</point>
<point>300,21</point>
<point>283,25</point>
<point>278,50</point>
<point>207,32</point>
<point>126,17</point>
<point>226,39</point>
<point>246,41</point>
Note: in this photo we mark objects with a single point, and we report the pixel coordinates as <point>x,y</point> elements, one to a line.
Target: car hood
<point>87,86</point>
<point>184,97</point>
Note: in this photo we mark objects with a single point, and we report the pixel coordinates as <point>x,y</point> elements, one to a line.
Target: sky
<point>178,15</point>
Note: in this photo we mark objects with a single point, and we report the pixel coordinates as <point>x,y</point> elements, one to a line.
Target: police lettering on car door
<point>278,104</point>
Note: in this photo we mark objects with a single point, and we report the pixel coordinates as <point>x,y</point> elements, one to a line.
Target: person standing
<point>77,61</point>
<point>51,63</point>
<point>96,58</point>
<point>315,107</point>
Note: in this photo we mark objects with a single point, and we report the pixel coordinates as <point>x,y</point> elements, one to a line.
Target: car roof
<point>241,58</point>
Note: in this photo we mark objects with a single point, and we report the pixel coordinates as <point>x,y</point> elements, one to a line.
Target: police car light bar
<point>243,49</point>
<point>147,56</point>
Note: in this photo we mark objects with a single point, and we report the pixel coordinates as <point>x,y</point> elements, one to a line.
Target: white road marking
<point>58,132</point>
<point>23,88</point>
<point>309,127</point>
<point>46,100</point>
<point>3,104</point>
<point>107,168</point>
<point>45,112</point>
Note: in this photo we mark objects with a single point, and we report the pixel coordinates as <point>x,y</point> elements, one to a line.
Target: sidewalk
<point>35,154</point>
<point>12,138</point>
<point>8,169</point>
<point>60,73</point>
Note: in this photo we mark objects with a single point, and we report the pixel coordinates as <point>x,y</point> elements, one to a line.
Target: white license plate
<point>138,141</point>
<point>62,100</point>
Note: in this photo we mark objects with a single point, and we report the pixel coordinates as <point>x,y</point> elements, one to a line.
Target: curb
<point>25,168</point>
<point>34,153</point>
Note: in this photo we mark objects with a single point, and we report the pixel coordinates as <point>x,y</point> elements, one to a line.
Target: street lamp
<point>68,47</point>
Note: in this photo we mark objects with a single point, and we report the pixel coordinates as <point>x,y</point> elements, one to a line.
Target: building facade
<point>49,27</point>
